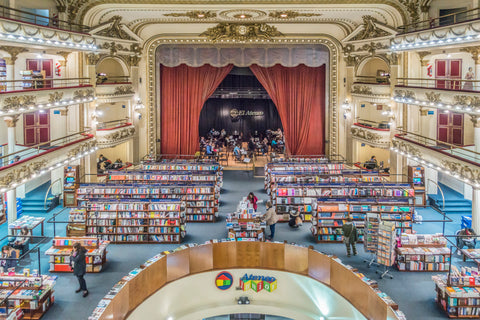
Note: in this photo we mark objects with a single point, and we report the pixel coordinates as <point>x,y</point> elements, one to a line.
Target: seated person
<point>465,239</point>
<point>117,164</point>
<point>209,150</point>
<point>274,144</point>
<point>10,254</point>
<point>295,221</point>
<point>372,163</point>
<point>237,153</point>
<point>101,160</point>
<point>22,239</point>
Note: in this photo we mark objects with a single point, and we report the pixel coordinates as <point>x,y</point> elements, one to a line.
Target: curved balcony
<point>113,89</point>
<point>112,133</point>
<point>371,88</point>
<point>456,29</point>
<point>28,163</point>
<point>372,133</point>
<point>460,162</point>
<point>20,96</point>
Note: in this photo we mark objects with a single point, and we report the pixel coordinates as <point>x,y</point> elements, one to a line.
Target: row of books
<point>422,239</point>
<point>423,266</point>
<point>120,206</point>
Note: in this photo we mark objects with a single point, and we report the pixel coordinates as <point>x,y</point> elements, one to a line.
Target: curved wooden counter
<point>261,255</point>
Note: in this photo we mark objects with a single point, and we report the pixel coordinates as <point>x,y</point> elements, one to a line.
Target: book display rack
<point>31,293</point>
<point>416,176</point>
<point>459,294</point>
<point>245,224</point>
<point>70,183</point>
<point>136,221</point>
<point>428,252</point>
<point>201,199</point>
<point>76,223</point>
<point>386,246</point>
<point>331,214</point>
<point>61,250</point>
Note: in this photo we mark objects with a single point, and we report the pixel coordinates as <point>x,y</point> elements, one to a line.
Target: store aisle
<point>414,292</point>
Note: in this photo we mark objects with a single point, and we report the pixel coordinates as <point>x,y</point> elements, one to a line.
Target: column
<point>350,153</point>
<point>476,210</point>
<point>476,134</point>
<point>11,194</point>
<point>10,72</point>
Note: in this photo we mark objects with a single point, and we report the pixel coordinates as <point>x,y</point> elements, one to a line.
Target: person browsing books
<point>77,259</point>
<point>253,200</point>
<point>9,255</point>
<point>350,236</point>
<point>465,239</point>
<point>295,220</point>
<point>271,218</point>
<point>21,241</point>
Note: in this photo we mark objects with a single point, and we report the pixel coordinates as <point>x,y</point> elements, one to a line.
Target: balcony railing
<point>446,20</point>
<point>25,16</point>
<point>458,152</point>
<point>373,79</point>
<point>105,80</point>
<point>369,124</point>
<point>38,84</point>
<point>28,153</point>
<point>114,124</point>
<point>440,83</point>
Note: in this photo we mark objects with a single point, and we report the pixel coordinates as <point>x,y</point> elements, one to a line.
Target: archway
<point>293,77</point>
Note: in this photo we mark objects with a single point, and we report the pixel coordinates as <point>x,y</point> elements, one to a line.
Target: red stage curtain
<point>299,94</point>
<point>184,91</point>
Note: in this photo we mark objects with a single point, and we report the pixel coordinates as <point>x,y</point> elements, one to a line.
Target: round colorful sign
<point>224,280</point>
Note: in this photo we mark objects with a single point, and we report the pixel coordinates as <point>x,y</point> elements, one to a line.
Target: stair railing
<point>443,200</point>
<point>48,190</point>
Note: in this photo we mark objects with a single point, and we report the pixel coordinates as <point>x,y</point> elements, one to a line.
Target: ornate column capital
<point>474,118</point>
<point>13,51</point>
<point>11,121</point>
<point>9,61</point>
<point>423,111</point>
<point>422,55</point>
<point>474,51</point>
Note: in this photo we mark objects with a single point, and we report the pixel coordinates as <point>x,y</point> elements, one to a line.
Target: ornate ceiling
<point>150,18</point>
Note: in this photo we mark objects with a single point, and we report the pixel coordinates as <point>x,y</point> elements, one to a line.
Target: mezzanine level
<point>112,133</point>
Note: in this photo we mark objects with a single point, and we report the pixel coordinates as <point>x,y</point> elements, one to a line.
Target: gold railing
<point>440,83</point>
<point>34,84</point>
<point>372,79</point>
<point>112,124</point>
<point>445,20</point>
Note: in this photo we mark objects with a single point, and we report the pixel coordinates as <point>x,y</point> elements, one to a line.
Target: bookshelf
<point>76,223</point>
<point>245,224</point>
<point>201,199</point>
<point>71,181</point>
<point>416,175</point>
<point>370,232</point>
<point>32,293</point>
<point>3,208</point>
<point>3,75</point>
<point>422,253</point>
<point>136,221</point>
<point>459,297</point>
<point>96,255</point>
<point>386,245</point>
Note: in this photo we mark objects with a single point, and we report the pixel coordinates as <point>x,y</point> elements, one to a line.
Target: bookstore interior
<point>275,160</point>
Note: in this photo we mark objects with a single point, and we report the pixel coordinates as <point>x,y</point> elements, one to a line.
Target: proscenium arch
<point>331,110</point>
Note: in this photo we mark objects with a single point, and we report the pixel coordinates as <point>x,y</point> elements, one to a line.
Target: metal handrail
<point>25,16</point>
<point>113,123</point>
<point>33,84</point>
<point>48,190</point>
<point>372,79</point>
<point>48,143</point>
<point>106,80</point>
<point>471,14</point>
<point>440,83</point>
<point>437,142</point>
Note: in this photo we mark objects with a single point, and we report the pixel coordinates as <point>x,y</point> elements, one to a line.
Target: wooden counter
<point>261,255</point>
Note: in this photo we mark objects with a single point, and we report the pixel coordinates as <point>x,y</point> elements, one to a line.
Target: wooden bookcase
<point>422,253</point>
<point>76,224</point>
<point>201,199</point>
<point>34,297</point>
<point>416,176</point>
<point>136,221</point>
<point>95,257</point>
<point>459,297</point>
<point>331,214</point>
<point>70,183</point>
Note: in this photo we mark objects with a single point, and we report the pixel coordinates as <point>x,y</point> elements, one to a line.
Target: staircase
<point>33,203</point>
<point>455,203</point>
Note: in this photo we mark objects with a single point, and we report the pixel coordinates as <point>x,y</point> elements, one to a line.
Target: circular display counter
<point>245,277</point>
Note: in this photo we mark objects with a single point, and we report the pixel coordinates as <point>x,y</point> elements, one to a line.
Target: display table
<point>473,254</point>
<point>27,221</point>
<point>245,224</point>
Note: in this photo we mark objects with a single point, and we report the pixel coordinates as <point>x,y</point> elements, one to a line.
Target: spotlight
<point>243,300</point>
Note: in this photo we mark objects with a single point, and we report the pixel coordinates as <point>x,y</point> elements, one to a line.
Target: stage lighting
<point>243,300</point>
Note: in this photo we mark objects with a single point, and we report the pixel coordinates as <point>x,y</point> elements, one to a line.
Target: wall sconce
<point>138,107</point>
<point>95,115</point>
<point>347,109</point>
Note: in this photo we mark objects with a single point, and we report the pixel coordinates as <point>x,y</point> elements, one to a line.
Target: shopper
<point>79,267</point>
<point>295,220</point>
<point>465,239</point>
<point>253,200</point>
<point>9,255</point>
<point>22,239</point>
<point>271,218</point>
<point>350,236</point>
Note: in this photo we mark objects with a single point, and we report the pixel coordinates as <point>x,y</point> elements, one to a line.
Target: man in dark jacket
<point>350,236</point>
<point>79,266</point>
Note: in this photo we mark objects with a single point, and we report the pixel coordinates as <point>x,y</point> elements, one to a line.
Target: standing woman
<point>467,85</point>
<point>253,200</point>
<point>79,267</point>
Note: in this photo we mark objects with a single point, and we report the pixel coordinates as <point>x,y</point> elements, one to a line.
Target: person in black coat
<point>9,255</point>
<point>79,266</point>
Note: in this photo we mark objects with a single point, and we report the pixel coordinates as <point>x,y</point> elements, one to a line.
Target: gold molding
<point>361,89</point>
<point>462,170</point>
<point>11,121</point>
<point>472,101</point>
<point>55,97</point>
<point>370,137</point>
<point>121,90</point>
<point>22,172</point>
<point>195,14</point>
<point>13,51</point>
<point>18,102</point>
<point>241,32</point>
<point>474,51</point>
<point>290,14</point>
<point>433,96</point>
<point>406,147</point>
<point>332,119</point>
<point>370,30</point>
